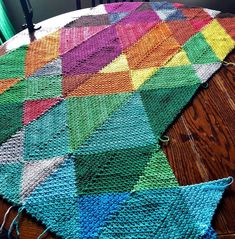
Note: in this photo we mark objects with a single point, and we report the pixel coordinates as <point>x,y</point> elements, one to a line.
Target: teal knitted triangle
<point>40,148</point>
<point>62,216</point>
<point>168,211</point>
<point>11,173</point>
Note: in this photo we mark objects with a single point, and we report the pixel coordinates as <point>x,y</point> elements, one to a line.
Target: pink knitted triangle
<point>130,33</point>
<point>199,24</point>
<point>73,36</point>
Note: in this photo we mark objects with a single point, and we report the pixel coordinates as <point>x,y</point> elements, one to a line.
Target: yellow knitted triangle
<point>180,59</point>
<point>140,76</point>
<point>118,65</point>
<point>220,42</point>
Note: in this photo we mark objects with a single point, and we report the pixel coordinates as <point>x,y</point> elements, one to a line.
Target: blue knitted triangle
<point>159,214</point>
<point>96,210</point>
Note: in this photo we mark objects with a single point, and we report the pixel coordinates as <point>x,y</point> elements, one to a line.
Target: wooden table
<point>202,145</point>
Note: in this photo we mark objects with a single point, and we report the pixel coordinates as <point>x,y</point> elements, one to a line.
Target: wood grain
<point>29,227</point>
<point>228,236</point>
<point>202,145</point>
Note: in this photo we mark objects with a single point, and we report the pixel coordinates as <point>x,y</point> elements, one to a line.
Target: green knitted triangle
<point>15,94</point>
<point>85,114</point>
<point>157,174</point>
<point>12,65</point>
<point>199,51</point>
<point>114,171</point>
<point>128,127</point>
<point>170,77</point>
<point>163,105</point>
<point>10,120</point>
<point>43,87</point>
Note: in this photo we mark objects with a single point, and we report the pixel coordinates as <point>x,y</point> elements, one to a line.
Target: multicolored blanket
<point>82,111</point>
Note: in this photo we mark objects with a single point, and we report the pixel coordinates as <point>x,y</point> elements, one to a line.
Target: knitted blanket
<point>82,111</point>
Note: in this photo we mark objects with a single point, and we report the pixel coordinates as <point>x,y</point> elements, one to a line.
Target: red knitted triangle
<point>35,108</point>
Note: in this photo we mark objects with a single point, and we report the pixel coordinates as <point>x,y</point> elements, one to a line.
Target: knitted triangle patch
<point>35,108</point>
<point>82,112</point>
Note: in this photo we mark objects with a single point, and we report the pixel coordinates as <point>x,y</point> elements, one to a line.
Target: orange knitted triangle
<point>6,84</point>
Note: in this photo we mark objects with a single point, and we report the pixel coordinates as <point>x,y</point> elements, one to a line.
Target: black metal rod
<point>28,14</point>
<point>78,4</point>
<point>93,3</point>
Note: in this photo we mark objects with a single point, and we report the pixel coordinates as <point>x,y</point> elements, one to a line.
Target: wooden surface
<point>202,145</point>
